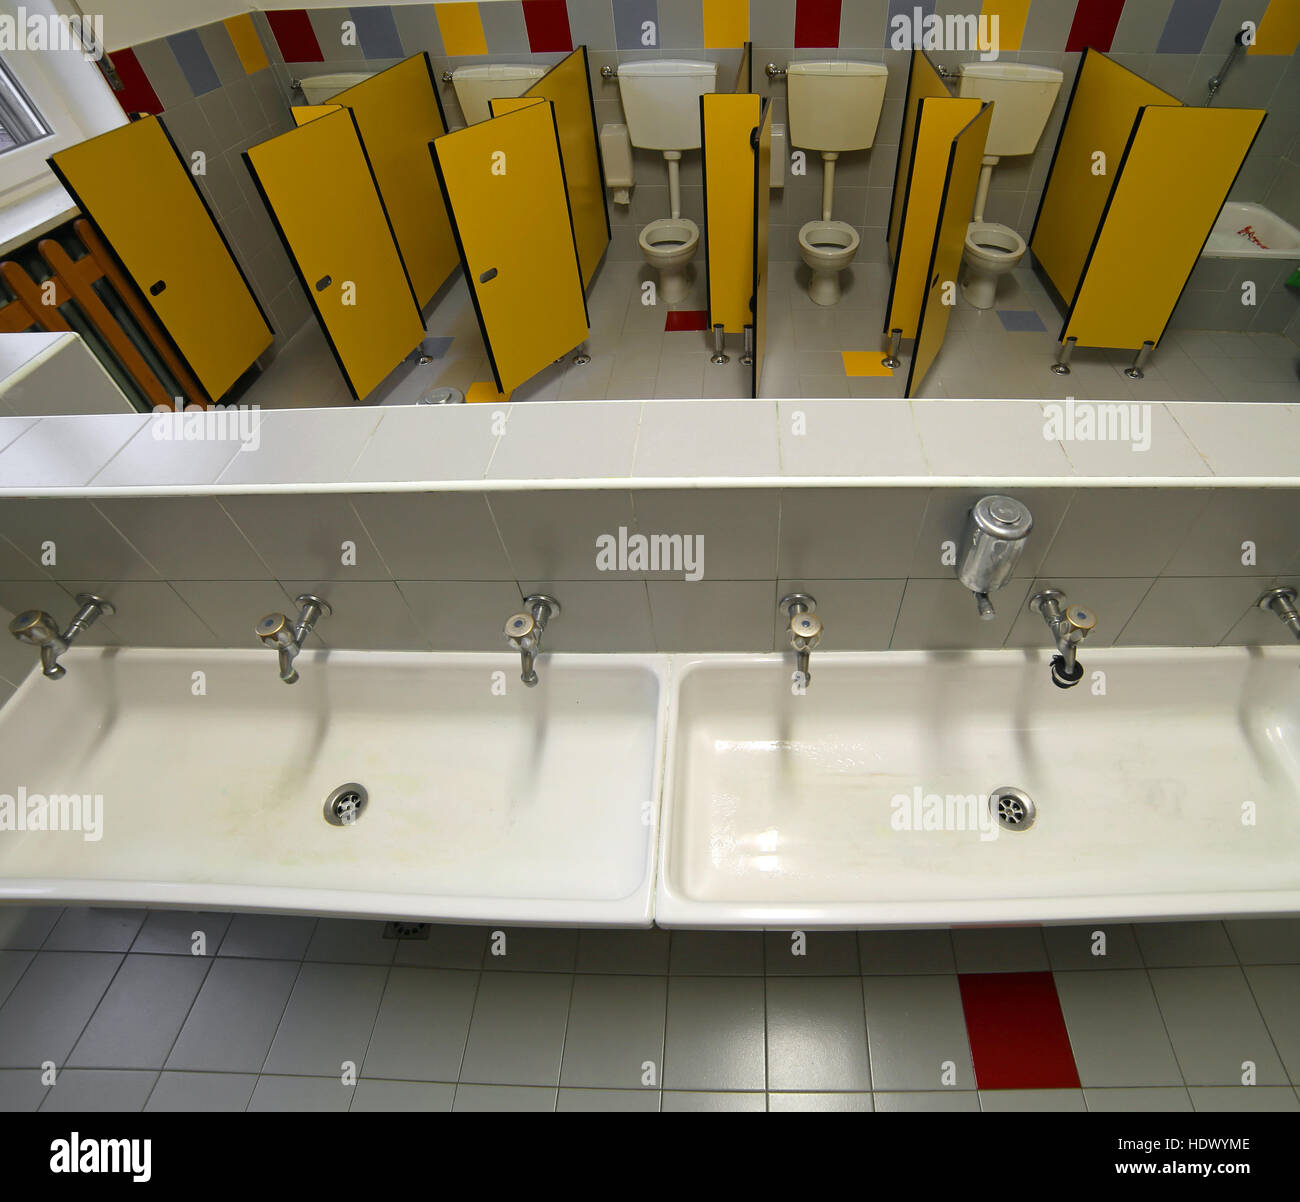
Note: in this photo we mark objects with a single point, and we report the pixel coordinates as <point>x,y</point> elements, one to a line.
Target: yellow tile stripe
<point>865,363</point>
<point>1011,15</point>
<point>461,29</point>
<point>1279,30</point>
<point>247,44</point>
<point>726,23</point>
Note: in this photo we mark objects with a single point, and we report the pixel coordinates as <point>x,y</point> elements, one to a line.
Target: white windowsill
<point>34,214</point>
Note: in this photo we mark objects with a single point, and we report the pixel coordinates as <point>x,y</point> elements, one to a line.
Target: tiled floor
<point>160,1010</point>
<point>1004,352</point>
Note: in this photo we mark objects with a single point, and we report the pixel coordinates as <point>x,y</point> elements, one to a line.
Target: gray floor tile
<point>208,1092</point>
<point>1276,988</point>
<point>21,1089</point>
<point>1031,1099</point>
<point>350,941</point>
<point>678,1102</point>
<point>89,929</point>
<point>12,966</point>
<point>608,1100</point>
<point>532,949</point>
<point>615,1030</point>
<point>1266,940</point>
<point>796,1103</point>
<point>403,1096</point>
<point>509,1099</point>
<point>139,1017</point>
<point>717,953</point>
<point>1115,1029</point>
<point>328,1020</point>
<point>26,927</point>
<point>639,953</point>
<point>1097,946</point>
<point>99,1090</point>
<point>1172,1098</point>
<point>422,1026</point>
<point>181,932</point>
<point>1184,944</point>
<point>446,947</point>
<point>813,953</point>
<point>517,1033</point>
<point>268,936</point>
<point>300,1094</point>
<point>235,1016</point>
<point>1244,1098</point>
<point>1215,1026</point>
<point>905,952</point>
<point>714,1037</point>
<point>1000,949</point>
<point>916,1030</point>
<point>816,1035</point>
<point>931,1100</point>
<point>47,1010</point>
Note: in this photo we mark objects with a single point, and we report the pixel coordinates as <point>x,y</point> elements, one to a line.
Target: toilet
<point>834,106</point>
<point>477,85</point>
<point>321,89</point>
<point>1022,97</point>
<point>661,104</point>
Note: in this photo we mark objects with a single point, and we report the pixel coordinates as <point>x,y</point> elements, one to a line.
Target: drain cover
<point>1013,808</point>
<point>345,804</point>
<point>406,930</point>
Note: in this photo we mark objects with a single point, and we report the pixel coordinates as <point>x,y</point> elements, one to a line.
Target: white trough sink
<point>536,806</point>
<point>778,808</point>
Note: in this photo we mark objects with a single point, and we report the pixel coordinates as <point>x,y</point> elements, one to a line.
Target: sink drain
<point>1013,808</point>
<point>345,804</point>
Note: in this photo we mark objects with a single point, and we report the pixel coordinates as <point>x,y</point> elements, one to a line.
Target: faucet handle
<point>275,630</point>
<point>519,626</point>
<point>1077,620</point>
<point>34,626</point>
<point>805,631</point>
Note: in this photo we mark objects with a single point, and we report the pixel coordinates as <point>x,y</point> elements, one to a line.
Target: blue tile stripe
<point>906,10</point>
<point>1021,321</point>
<point>377,32</point>
<point>194,62</point>
<point>630,17</point>
<point>1188,25</point>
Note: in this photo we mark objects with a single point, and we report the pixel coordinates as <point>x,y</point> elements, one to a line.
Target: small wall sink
<point>536,806</point>
<point>777,808</point>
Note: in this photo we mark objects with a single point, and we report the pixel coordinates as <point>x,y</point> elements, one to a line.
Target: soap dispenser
<point>996,530</point>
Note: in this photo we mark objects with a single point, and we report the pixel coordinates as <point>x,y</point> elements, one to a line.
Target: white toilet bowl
<point>991,251</point>
<point>669,245</point>
<point>828,248</point>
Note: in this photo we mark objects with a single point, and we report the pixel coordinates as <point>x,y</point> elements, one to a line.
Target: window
<point>20,122</point>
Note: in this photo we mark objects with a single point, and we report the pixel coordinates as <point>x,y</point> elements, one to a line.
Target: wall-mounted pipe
<point>1216,82</point>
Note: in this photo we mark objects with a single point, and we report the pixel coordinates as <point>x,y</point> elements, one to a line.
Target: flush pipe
<point>674,158</point>
<point>828,181</point>
<point>982,192</point>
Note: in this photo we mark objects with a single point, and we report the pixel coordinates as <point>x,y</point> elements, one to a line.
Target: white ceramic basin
<point>538,806</point>
<point>778,809</point>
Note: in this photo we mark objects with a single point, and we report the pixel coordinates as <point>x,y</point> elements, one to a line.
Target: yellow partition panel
<point>320,192</point>
<point>762,213</point>
<point>162,232</point>
<point>567,86</point>
<point>302,113</point>
<point>744,73</point>
<point>1103,107</point>
<point>1147,247</point>
<point>960,184</point>
<point>504,187</point>
<point>922,81</point>
<point>729,122</point>
<point>938,121</point>
<point>399,114</point>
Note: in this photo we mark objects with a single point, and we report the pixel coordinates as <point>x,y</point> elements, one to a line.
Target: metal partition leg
<point>581,359</point>
<point>748,357</point>
<point>1135,372</point>
<point>719,356</point>
<point>1062,364</point>
<point>895,341</point>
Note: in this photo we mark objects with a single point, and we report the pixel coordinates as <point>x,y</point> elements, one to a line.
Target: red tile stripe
<point>295,36</point>
<point>817,23</point>
<point>688,319</point>
<point>137,94</point>
<point>1094,24</point>
<point>1017,1033</point>
<point>548,26</point>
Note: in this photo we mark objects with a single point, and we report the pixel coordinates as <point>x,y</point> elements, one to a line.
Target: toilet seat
<point>993,243</point>
<point>669,241</point>
<point>829,240</point>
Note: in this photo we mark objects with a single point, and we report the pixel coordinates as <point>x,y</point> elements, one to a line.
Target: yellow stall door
<point>729,122</point>
<point>134,187</point>
<point>505,191</point>
<point>318,187</point>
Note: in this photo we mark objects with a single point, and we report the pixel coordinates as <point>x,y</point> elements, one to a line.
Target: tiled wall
<point>1177,44</point>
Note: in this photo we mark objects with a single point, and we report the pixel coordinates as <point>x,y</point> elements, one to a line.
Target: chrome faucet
<point>804,630</point>
<point>275,631</point>
<point>991,546</point>
<point>1282,602</point>
<point>524,632</point>
<point>36,627</point>
<point>1070,625</point>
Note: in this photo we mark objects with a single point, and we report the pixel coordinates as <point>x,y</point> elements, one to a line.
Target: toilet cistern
<point>1070,625</point>
<point>524,632</point>
<point>36,628</point>
<point>994,540</point>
